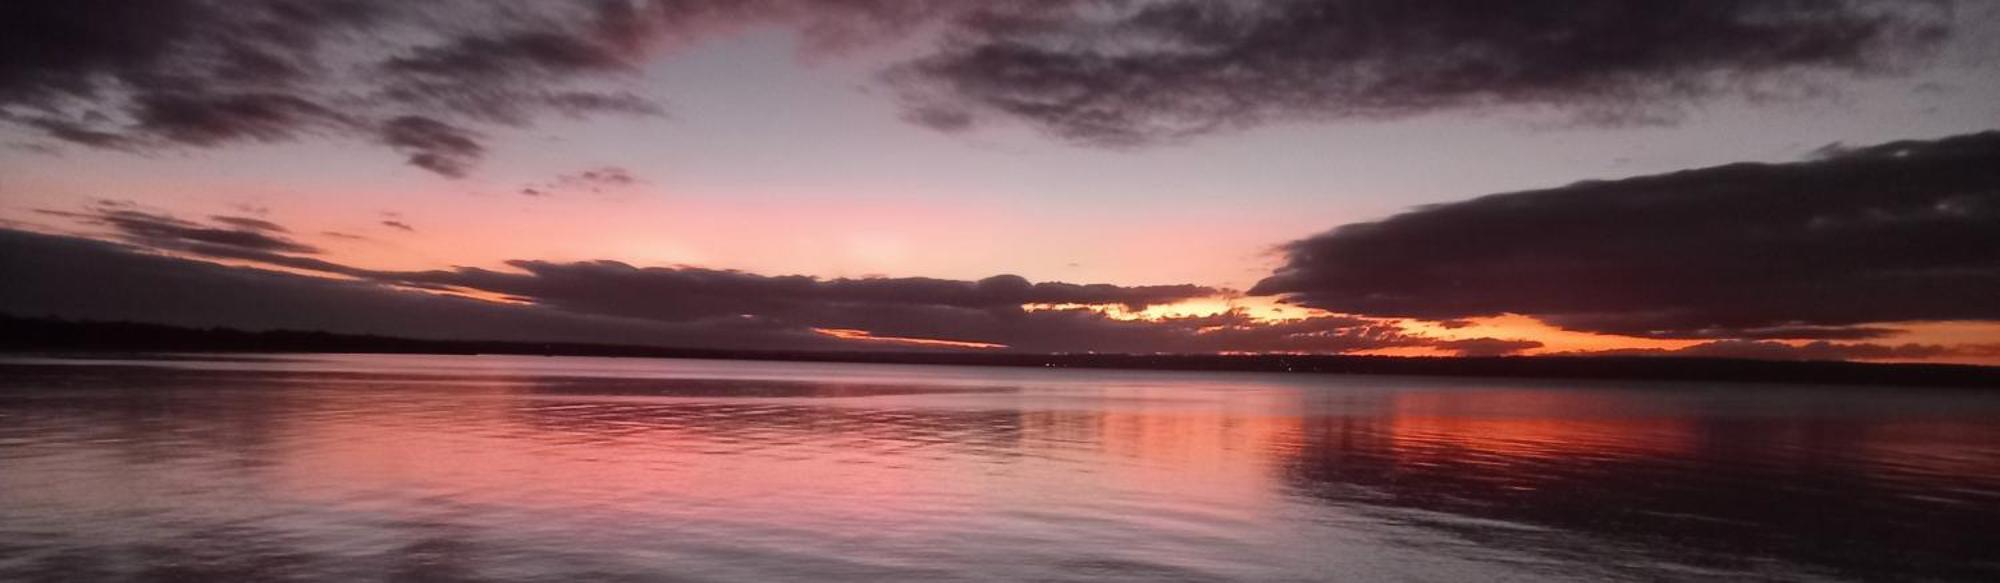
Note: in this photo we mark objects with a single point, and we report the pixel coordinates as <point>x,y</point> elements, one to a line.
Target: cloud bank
<point>414,77</point>
<point>603,301</point>
<point>1802,260</point>
<point>1122,73</point>
<point>1826,249</point>
<point>1817,350</point>
<point>430,80</point>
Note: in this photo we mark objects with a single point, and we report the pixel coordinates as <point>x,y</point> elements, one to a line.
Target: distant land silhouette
<point>58,336</point>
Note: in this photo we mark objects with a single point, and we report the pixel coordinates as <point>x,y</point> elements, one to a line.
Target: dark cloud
<point>249,223</point>
<point>85,279</point>
<point>989,310</point>
<point>207,119</point>
<point>204,73</point>
<point>685,293</point>
<point>1001,310</point>
<point>506,77</point>
<point>433,145</point>
<point>1818,350</point>
<point>72,132</point>
<point>594,180</point>
<point>229,235</point>
<point>420,77</point>
<point>1827,248</point>
<point>1133,72</point>
<point>582,103</point>
<point>201,73</point>
<point>610,176</point>
<point>398,225</point>
<point>1083,330</point>
<point>192,72</point>
<point>605,302</point>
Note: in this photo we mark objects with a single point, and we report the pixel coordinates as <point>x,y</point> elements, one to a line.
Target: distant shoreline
<point>52,336</point>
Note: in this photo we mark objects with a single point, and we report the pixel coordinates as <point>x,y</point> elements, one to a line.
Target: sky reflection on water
<point>422,468</point>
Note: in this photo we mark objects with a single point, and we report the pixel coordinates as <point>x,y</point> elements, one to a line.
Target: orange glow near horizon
<point>1971,342</point>
<point>866,336</point>
<point>1259,309</point>
<point>1553,339</point>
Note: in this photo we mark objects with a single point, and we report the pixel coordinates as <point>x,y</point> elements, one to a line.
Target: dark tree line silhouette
<point>48,335</point>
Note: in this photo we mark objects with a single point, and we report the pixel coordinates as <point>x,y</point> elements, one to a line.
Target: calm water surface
<point>450,468</point>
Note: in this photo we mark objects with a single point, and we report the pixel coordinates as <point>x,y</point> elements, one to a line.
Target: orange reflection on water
<point>807,467</point>
<point>818,460</point>
<point>804,461</point>
<point>1139,456</point>
<point>635,457</point>
<point>1219,459</point>
<point>1532,423</point>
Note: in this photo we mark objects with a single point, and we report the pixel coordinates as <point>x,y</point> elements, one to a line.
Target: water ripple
<point>405,468</point>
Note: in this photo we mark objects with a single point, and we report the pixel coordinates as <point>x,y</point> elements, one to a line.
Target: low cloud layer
<point>1819,350</point>
<point>1830,248</point>
<point>604,301</point>
<point>1705,254</point>
<point>611,302</point>
<point>71,277</point>
<point>430,80</point>
<point>227,234</point>
<point>671,293</point>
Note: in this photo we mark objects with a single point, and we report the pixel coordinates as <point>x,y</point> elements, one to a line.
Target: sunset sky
<point>1768,179</point>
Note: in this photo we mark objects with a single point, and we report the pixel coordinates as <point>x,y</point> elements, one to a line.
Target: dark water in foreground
<point>423,468</point>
